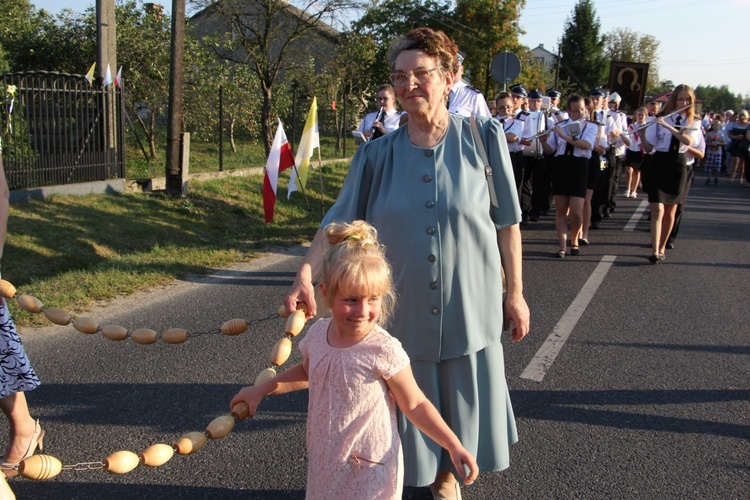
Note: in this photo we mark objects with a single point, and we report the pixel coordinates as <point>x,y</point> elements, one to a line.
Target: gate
<point>57,129</point>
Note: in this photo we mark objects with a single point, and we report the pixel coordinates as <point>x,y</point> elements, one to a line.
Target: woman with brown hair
<point>425,189</point>
<point>674,131</point>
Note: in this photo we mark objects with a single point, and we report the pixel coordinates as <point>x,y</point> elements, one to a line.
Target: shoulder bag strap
<point>485,160</point>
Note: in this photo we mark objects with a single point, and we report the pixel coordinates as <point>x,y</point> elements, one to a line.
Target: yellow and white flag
<point>310,140</point>
<point>90,75</point>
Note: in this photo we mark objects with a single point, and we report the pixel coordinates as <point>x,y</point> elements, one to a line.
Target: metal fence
<point>58,129</point>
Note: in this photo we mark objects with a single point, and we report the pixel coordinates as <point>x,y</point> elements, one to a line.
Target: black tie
<point>674,144</point>
<point>502,120</point>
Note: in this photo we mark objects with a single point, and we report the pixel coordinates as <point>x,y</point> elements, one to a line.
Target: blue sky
<point>702,42</point>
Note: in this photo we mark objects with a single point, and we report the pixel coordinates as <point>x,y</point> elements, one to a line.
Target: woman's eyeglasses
<point>421,75</point>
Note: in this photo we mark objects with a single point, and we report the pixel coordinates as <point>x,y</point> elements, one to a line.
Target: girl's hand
<point>462,458</point>
<point>249,395</point>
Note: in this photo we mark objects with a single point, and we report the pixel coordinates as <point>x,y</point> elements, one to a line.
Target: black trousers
<point>614,184</point>
<point>680,207</point>
<point>533,167</point>
<point>600,199</point>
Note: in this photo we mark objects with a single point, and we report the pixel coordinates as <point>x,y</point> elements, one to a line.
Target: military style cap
<point>536,94</point>
<point>554,94</point>
<point>519,90</point>
<point>615,97</point>
<point>598,92</point>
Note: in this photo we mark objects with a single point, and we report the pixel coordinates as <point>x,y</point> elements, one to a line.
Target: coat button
<point>430,204</point>
<point>429,153</point>
<point>435,311</point>
<point>433,285</point>
<point>430,230</point>
<point>427,178</point>
<point>431,258</point>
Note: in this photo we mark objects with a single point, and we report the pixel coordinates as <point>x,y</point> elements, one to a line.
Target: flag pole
<point>302,188</point>
<point>322,199</point>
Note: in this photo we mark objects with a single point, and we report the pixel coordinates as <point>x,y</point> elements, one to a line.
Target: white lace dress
<point>354,449</point>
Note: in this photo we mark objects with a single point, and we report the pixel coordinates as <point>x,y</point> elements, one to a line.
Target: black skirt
<point>569,175</point>
<point>668,176</point>
<point>633,159</point>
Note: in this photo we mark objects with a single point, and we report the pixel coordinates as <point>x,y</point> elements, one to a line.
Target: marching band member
<point>674,132</point>
<point>571,141</point>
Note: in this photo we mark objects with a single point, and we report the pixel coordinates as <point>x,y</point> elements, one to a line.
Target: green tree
<point>143,48</point>
<point>718,98</point>
<point>484,28</point>
<point>582,48</point>
<point>384,21</point>
<point>271,37</point>
<point>624,44</point>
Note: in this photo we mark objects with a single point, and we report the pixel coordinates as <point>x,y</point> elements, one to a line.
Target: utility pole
<point>176,72</point>
<point>106,43</point>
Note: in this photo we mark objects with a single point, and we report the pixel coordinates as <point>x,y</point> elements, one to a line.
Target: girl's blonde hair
<point>643,110</point>
<point>355,262</point>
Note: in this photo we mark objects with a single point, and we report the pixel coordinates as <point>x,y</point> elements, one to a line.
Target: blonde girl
<point>634,154</point>
<point>357,375</point>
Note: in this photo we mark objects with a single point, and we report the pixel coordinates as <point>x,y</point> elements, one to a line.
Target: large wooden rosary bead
<point>190,443</point>
<point>121,462</point>
<point>234,327</point>
<point>240,411</point>
<point>57,316</point>
<point>143,336</point>
<point>156,455</point>
<point>174,336</point>
<point>281,351</point>
<point>30,304</point>
<point>7,290</point>
<point>114,332</point>
<point>265,376</point>
<point>86,325</point>
<point>295,323</point>
<point>39,467</point>
<point>220,427</point>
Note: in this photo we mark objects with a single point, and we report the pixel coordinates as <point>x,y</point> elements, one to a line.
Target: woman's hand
<point>302,292</point>
<point>462,458</point>
<point>516,311</point>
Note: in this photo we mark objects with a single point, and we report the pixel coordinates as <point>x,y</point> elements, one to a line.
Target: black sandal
<point>574,250</point>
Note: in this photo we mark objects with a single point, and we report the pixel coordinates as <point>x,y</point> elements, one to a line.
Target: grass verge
<point>71,251</point>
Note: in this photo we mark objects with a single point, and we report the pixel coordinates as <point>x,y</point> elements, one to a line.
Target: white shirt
<point>467,101</point>
<point>588,134</point>
<point>513,126</point>
<point>620,120</point>
<point>700,146</point>
<point>390,123</point>
<point>535,122</point>
<point>660,137</point>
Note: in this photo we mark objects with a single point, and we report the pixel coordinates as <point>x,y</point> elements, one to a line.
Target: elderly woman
<point>425,189</point>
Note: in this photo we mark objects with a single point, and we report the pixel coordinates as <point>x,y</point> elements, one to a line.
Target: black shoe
<point>654,258</point>
<point>594,224</point>
<point>524,220</point>
<point>533,218</point>
<point>670,245</point>
<point>607,213</point>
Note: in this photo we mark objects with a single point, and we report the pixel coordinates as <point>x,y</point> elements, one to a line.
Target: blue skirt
<point>472,396</point>
<point>16,373</point>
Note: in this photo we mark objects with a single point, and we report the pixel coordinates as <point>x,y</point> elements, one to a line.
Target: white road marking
<point>636,216</point>
<point>545,356</point>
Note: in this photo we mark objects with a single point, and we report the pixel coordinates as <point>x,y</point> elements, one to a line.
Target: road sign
<point>505,67</point>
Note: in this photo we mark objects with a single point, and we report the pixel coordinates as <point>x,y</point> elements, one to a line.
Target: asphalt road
<point>649,397</point>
